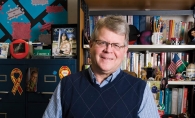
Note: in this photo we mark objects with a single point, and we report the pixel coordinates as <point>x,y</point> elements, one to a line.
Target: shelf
<point>165,48</point>
<point>181,82</point>
<point>148,12</point>
<point>139,4</point>
<point>158,48</point>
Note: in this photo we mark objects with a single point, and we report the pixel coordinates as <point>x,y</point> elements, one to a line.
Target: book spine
<point>185,92</point>
<point>167,102</point>
<point>161,98</point>
<point>180,93</point>
<point>142,22</point>
<point>170,101</point>
<point>136,21</point>
<point>174,101</point>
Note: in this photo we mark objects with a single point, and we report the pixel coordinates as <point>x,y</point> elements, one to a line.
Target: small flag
<point>182,68</point>
<point>175,63</point>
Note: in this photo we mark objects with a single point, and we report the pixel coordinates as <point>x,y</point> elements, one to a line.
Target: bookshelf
<point>143,7</point>
<point>158,48</point>
<point>139,4</point>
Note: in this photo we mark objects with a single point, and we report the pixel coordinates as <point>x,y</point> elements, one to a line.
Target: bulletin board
<point>27,19</point>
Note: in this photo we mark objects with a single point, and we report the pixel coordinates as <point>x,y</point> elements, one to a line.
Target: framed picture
<point>4,50</point>
<point>32,79</point>
<point>19,49</point>
<point>64,40</point>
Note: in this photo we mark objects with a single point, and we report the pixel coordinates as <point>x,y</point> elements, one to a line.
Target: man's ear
<point>126,49</point>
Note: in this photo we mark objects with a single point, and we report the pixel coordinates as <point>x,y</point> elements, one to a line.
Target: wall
<point>72,11</point>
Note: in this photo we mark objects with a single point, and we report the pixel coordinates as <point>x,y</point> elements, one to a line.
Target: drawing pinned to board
<point>39,2</point>
<point>54,9</point>
<point>21,30</point>
<point>15,13</point>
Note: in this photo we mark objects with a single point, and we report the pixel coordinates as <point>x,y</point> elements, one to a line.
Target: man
<point>103,90</point>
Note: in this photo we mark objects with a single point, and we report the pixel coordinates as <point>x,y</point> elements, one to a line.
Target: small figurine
<point>149,65</point>
<point>143,74</point>
<point>158,76</point>
<point>179,76</point>
<point>131,73</point>
<point>191,35</point>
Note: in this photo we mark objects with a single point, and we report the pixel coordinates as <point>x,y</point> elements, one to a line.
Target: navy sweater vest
<point>120,98</point>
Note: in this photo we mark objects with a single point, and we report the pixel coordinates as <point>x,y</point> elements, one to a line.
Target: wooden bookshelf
<point>158,48</point>
<point>140,4</point>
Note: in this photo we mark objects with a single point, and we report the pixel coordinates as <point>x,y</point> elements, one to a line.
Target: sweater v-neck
<point>96,86</point>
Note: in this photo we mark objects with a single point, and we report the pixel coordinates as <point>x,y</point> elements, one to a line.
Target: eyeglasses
<point>115,46</point>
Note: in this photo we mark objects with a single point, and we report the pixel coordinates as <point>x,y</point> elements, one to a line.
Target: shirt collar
<point>107,80</point>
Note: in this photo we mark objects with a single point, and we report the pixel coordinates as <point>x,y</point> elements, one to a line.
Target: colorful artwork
<point>64,40</point>
<point>27,19</point>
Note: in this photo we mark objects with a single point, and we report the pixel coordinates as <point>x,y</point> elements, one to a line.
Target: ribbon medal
<point>16,81</point>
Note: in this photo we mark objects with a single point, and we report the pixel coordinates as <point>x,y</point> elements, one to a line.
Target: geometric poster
<point>27,19</point>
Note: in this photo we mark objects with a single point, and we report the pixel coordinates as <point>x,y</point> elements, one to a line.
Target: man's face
<point>107,59</point>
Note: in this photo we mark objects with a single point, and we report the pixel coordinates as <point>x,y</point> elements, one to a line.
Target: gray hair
<point>114,23</point>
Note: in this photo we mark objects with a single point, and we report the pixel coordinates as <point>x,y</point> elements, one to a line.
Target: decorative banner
<point>16,81</point>
<point>64,71</point>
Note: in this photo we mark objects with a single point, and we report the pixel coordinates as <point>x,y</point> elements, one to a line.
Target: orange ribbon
<point>16,81</point>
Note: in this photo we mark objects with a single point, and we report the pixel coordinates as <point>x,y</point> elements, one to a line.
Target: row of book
<point>136,61</point>
<point>179,100</point>
<point>170,28</point>
<point>173,100</point>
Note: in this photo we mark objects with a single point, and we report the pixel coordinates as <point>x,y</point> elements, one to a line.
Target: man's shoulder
<point>74,76</point>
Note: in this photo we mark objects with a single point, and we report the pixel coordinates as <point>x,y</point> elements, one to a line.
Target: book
<point>161,97</point>
<point>136,21</point>
<point>179,102</point>
<point>174,101</point>
<point>184,101</point>
<point>167,101</point>
<point>170,101</point>
<point>142,22</point>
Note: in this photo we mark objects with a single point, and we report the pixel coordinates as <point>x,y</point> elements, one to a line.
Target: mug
<point>190,73</point>
<point>157,38</point>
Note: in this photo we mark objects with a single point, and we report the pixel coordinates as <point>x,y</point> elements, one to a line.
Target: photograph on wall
<point>64,42</point>
<point>155,89</point>
<point>4,50</point>
<point>32,79</point>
